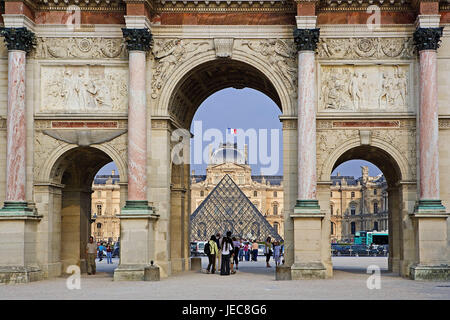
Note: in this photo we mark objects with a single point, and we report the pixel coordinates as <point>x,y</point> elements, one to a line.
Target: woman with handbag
<point>268,250</point>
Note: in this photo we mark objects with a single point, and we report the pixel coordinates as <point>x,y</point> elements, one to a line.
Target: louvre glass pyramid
<point>227,208</point>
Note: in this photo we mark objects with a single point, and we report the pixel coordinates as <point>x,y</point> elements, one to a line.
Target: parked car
<point>197,248</point>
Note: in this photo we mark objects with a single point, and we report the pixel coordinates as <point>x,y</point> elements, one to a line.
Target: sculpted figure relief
<point>364,88</point>
<point>279,54</point>
<point>83,89</point>
<point>168,53</point>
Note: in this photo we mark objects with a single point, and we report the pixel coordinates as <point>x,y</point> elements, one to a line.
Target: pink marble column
<point>307,179</point>
<point>137,124</point>
<point>16,128</point>
<point>428,126</point>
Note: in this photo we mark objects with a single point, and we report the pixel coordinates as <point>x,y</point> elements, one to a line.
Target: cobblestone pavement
<point>253,281</point>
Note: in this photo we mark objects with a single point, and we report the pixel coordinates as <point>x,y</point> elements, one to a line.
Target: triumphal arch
<point>89,82</point>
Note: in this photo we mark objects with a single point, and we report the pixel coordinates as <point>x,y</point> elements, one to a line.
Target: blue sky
<point>246,109</point>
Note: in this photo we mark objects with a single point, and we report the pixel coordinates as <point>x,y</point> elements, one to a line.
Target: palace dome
<point>227,153</point>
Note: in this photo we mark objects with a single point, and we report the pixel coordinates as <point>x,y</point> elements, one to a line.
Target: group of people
<point>94,250</point>
<point>228,251</point>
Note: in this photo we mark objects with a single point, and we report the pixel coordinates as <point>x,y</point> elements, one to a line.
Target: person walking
<point>268,250</point>
<point>109,254</point>
<point>213,251</point>
<point>277,252</point>
<point>91,252</point>
<point>100,251</point>
<point>255,251</point>
<point>227,251</point>
<point>219,250</point>
<point>241,250</point>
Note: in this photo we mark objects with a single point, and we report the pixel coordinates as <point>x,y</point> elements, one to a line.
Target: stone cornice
<point>363,5</point>
<point>260,6</point>
<point>84,5</point>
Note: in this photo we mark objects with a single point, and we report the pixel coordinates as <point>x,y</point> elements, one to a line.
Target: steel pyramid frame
<point>227,208</point>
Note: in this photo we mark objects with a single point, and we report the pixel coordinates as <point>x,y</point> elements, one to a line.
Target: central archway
<point>190,91</point>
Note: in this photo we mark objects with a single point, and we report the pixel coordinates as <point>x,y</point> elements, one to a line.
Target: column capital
<point>137,39</point>
<point>18,38</point>
<point>306,39</point>
<point>427,38</point>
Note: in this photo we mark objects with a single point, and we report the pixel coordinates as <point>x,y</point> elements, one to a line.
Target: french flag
<point>232,131</point>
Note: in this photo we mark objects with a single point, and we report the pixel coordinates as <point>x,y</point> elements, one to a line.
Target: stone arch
<point>390,161</point>
<point>172,83</point>
<point>51,170</point>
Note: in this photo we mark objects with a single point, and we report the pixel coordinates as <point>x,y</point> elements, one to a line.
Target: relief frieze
<point>84,89</point>
<point>79,48</point>
<point>383,88</point>
<point>365,48</point>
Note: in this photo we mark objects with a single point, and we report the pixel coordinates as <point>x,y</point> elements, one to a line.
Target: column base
<point>430,272</point>
<point>307,207</point>
<point>429,207</point>
<point>308,271</point>
<point>20,274</point>
<point>137,207</point>
<point>283,272</point>
<point>196,264</point>
<point>16,208</point>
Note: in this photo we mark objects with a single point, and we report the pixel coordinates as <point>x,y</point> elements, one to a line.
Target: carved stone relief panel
<point>79,48</point>
<point>364,88</point>
<point>366,48</point>
<point>84,89</point>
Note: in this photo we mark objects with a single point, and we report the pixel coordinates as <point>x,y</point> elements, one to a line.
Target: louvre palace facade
<point>89,82</point>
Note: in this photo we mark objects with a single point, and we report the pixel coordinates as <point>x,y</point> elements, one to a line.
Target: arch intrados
<point>212,76</point>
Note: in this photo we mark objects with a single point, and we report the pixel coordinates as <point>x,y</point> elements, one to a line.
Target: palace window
<point>375,226</point>
<point>375,191</point>
<point>99,209</point>
<point>353,194</point>
<point>202,193</point>
<point>276,226</point>
<point>353,210</point>
<point>332,228</point>
<point>331,209</point>
<point>275,209</point>
<point>99,225</point>
<point>375,207</point>
<point>255,193</point>
<point>352,228</point>
<point>331,194</point>
<point>275,194</point>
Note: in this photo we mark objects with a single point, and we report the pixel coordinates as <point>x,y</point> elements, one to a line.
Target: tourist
<point>236,248</point>
<point>219,248</point>
<point>227,251</point>
<point>100,251</point>
<point>246,251</point>
<point>91,252</point>
<point>268,251</point>
<point>276,252</point>
<point>213,252</point>
<point>241,251</point>
<point>255,251</point>
<point>109,254</point>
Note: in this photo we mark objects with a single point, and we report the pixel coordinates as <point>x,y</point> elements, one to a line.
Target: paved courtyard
<point>252,281</point>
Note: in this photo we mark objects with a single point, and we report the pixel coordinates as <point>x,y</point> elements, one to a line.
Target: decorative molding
<point>290,124</point>
<point>364,5</point>
<point>79,48</point>
<point>137,39</point>
<point>84,138</point>
<point>366,48</point>
<point>444,123</point>
<point>18,38</point>
<point>306,39</point>
<point>427,38</point>
<point>224,47</point>
<point>74,5</point>
<point>276,6</point>
<point>160,124</point>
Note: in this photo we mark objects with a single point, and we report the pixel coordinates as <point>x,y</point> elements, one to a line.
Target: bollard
<point>151,273</point>
<point>196,263</point>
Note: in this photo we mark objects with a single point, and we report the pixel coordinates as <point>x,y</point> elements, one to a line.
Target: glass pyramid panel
<point>227,208</point>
